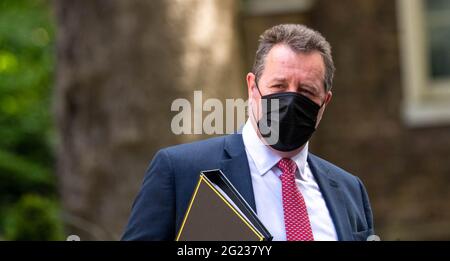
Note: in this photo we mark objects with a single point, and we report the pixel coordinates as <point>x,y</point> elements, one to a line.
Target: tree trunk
<point>120,66</point>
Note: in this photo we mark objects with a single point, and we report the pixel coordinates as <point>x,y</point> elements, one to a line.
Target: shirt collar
<point>263,157</point>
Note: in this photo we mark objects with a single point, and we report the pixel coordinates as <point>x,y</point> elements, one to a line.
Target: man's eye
<point>307,93</point>
<point>278,86</point>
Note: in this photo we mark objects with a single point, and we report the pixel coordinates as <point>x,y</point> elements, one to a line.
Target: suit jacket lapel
<point>333,198</point>
<point>235,167</point>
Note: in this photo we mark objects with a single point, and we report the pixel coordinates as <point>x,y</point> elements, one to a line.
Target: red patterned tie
<point>296,220</point>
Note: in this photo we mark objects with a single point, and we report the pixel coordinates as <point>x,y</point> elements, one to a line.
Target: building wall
<point>406,170</point>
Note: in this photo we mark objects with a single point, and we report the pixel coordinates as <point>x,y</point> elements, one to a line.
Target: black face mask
<point>296,122</point>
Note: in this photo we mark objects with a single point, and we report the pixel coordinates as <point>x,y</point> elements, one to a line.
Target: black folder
<point>217,212</point>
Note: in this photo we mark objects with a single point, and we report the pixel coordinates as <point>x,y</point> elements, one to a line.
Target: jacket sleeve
<point>153,211</point>
<point>367,208</point>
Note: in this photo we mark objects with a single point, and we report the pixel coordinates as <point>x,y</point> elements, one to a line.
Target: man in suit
<point>296,195</point>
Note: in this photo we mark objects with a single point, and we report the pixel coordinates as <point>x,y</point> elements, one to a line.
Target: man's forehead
<point>281,58</point>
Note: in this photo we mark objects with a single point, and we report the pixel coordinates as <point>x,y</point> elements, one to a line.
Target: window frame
<point>426,101</point>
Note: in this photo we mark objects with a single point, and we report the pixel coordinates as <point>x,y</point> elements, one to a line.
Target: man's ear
<point>328,97</point>
<point>250,84</point>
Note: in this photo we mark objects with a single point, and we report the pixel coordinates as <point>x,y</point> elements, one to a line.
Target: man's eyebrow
<point>310,87</point>
<point>278,79</point>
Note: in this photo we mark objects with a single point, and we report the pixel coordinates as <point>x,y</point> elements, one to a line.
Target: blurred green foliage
<point>26,158</point>
<point>33,217</point>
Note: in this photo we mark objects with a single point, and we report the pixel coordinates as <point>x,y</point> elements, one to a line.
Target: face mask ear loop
<point>323,103</point>
<point>257,87</point>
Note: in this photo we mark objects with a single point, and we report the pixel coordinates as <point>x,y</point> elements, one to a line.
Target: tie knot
<point>288,167</point>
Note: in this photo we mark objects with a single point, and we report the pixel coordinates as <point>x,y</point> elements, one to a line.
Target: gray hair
<point>300,39</point>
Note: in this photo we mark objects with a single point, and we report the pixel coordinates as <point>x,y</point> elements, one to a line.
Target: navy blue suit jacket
<point>159,208</point>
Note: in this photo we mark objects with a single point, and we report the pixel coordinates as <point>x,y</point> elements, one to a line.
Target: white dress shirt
<point>267,189</point>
